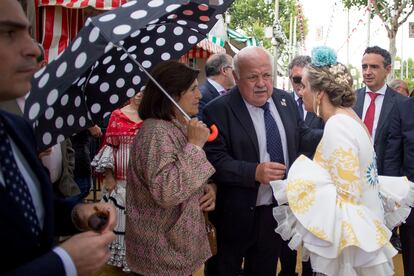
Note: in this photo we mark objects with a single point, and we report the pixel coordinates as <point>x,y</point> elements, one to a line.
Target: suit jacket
<point>399,153</point>
<point>66,184</point>
<point>235,156</point>
<point>312,121</point>
<point>208,92</point>
<point>23,253</point>
<point>390,99</point>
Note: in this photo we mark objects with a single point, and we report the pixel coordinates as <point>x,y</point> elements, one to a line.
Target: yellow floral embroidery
<point>301,195</point>
<point>381,233</point>
<point>348,236</point>
<point>318,157</point>
<point>318,233</point>
<point>344,166</point>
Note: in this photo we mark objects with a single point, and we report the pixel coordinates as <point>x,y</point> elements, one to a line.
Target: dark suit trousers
<point>260,250</point>
<point>288,262</point>
<point>407,244</point>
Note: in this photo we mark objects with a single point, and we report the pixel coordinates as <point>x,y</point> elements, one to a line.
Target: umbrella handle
<point>213,133</point>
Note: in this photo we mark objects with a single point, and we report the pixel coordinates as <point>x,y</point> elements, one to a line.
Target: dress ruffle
<point>103,160</point>
<point>340,237</point>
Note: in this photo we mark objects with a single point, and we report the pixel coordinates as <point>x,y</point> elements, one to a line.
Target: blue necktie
<point>273,141</point>
<point>300,108</point>
<point>15,185</point>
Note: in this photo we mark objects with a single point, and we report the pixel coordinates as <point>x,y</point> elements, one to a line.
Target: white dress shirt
<point>265,195</point>
<point>378,106</point>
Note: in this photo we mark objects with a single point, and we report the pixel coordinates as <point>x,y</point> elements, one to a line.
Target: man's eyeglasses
<point>297,79</point>
<point>228,66</point>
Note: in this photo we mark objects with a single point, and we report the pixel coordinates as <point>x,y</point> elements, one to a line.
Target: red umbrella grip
<point>213,133</point>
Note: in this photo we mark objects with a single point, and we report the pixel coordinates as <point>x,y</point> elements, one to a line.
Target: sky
<point>330,17</point>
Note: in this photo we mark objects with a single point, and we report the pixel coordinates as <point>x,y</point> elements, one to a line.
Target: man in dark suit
<point>287,256</point>
<point>376,101</point>
<point>247,158</point>
<point>219,73</point>
<point>29,215</point>
<point>399,161</point>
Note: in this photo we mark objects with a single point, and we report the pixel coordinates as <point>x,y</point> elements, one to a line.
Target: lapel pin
<point>283,102</point>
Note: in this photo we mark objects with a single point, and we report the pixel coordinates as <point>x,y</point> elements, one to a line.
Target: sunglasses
<point>297,80</point>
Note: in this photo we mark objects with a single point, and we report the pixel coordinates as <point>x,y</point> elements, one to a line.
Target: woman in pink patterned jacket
<point>167,179</point>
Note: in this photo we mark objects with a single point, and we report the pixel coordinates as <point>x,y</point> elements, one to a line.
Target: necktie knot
<point>265,107</point>
<point>300,101</point>
<point>373,95</point>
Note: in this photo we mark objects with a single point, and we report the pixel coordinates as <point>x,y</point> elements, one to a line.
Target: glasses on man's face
<point>227,67</point>
<point>297,79</point>
<point>255,78</point>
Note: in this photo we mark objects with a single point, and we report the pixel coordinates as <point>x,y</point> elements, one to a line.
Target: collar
<point>216,85</point>
<point>380,91</point>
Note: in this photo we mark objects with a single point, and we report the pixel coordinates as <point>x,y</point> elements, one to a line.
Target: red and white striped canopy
<point>80,4</point>
<point>62,19</point>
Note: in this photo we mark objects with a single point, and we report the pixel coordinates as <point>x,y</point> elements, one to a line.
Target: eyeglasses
<point>297,79</point>
<point>228,66</point>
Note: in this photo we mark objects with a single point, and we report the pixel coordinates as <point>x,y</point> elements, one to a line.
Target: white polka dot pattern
<point>94,75</point>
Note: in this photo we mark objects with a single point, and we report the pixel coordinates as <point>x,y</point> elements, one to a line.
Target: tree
<point>252,16</point>
<point>409,79</point>
<point>393,13</point>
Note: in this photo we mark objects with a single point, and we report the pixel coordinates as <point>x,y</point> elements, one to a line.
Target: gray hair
<point>215,63</point>
<point>236,58</point>
<point>299,61</point>
<point>394,84</point>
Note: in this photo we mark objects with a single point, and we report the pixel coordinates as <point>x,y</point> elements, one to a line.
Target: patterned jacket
<point>165,227</point>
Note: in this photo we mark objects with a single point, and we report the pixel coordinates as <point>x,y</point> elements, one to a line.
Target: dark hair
<point>175,78</point>
<point>379,51</point>
<point>215,63</point>
<point>335,80</point>
<point>300,61</point>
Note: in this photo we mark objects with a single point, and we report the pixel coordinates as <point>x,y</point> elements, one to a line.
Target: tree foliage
<point>393,13</point>
<point>252,16</point>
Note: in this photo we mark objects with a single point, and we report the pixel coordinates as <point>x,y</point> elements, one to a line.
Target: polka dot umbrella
<point>105,63</point>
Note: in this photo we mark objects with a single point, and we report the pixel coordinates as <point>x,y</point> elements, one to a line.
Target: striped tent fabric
<point>62,19</point>
<point>204,49</point>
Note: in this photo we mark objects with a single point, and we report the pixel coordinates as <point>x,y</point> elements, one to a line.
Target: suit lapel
<point>242,114</point>
<point>359,106</point>
<point>309,118</point>
<point>386,108</point>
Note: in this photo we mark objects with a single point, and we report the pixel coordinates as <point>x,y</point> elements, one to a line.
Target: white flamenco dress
<point>339,210</point>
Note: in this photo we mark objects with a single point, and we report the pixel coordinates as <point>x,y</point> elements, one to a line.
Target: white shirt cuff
<point>68,264</point>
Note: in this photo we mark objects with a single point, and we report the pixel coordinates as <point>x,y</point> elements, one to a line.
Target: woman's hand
<point>109,181</point>
<point>208,200</point>
<point>197,132</point>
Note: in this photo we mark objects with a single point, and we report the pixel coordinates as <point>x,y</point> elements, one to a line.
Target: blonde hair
<point>335,80</point>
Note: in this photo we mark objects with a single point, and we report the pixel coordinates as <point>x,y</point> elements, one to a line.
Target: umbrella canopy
<point>95,74</point>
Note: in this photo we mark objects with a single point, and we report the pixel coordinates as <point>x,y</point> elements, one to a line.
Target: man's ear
<point>388,68</point>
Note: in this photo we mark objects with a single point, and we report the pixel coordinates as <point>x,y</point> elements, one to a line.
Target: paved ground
<point>111,271</point>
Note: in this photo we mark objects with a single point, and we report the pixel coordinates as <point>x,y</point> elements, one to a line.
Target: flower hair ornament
<point>323,56</point>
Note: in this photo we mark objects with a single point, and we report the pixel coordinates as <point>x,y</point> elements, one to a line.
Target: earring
<point>318,104</point>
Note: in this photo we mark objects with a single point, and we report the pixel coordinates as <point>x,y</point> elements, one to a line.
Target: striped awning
<point>62,19</point>
<point>80,4</point>
<point>204,49</point>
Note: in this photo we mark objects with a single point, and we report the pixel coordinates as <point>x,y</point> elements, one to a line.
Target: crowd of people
<point>323,168</point>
